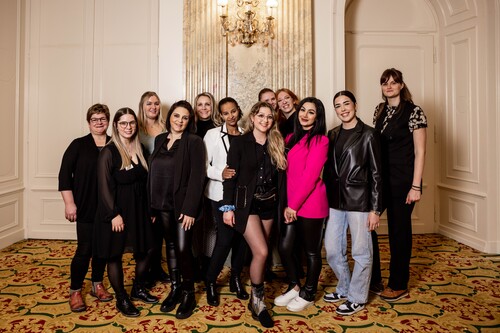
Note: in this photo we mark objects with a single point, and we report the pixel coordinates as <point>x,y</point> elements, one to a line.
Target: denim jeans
<point>357,285</point>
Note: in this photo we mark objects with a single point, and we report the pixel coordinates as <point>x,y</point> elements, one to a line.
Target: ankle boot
<point>187,306</point>
<point>235,286</point>
<point>174,296</point>
<point>125,306</point>
<point>139,292</point>
<point>257,306</point>
<point>212,295</point>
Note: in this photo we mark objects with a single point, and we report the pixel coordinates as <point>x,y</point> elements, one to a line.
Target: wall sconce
<point>246,29</point>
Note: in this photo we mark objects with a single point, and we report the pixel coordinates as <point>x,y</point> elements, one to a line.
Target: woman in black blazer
<point>175,187</point>
<point>250,198</point>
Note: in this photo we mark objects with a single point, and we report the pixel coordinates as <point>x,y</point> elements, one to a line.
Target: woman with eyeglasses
<point>175,188</point>
<point>78,187</point>
<point>122,221</point>
<point>250,199</point>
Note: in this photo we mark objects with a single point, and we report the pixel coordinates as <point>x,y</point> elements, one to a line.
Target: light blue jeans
<point>357,286</point>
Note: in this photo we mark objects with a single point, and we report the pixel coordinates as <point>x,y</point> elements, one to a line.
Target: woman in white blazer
<point>217,141</point>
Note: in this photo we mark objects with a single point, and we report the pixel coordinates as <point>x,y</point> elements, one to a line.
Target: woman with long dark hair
<point>307,206</point>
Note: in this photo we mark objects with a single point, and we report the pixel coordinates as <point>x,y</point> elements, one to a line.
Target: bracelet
<point>227,208</point>
<point>416,188</point>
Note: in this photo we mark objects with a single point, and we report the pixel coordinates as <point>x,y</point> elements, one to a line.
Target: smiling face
<point>391,88</point>
<point>346,111</point>
<point>270,98</point>
<point>307,115</point>
<point>179,120</point>
<point>230,114</point>
<point>152,107</point>
<point>204,108</point>
<point>285,103</point>
<point>98,124</point>
<point>263,120</point>
<point>126,126</point>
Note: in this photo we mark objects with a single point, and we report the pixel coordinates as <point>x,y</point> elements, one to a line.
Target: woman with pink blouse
<point>307,206</point>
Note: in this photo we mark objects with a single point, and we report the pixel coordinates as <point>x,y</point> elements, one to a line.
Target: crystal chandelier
<point>246,29</point>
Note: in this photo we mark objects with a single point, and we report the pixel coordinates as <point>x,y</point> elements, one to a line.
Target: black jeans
<point>400,241</point>
<point>309,232</point>
<point>227,239</point>
<point>179,247</point>
<point>83,254</point>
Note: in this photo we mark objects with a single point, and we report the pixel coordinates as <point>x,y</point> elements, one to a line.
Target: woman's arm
<point>214,166</point>
<point>419,142</point>
<point>106,186</point>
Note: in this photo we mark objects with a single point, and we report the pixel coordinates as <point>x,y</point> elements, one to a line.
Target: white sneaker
<point>284,299</point>
<point>298,304</point>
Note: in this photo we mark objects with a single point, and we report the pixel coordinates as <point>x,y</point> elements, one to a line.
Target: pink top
<point>306,191</point>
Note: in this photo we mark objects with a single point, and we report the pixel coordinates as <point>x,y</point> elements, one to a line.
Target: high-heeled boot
<point>188,301</point>
<point>212,294</point>
<point>125,306</point>
<point>235,286</point>
<point>174,296</point>
<point>257,306</point>
<point>139,292</point>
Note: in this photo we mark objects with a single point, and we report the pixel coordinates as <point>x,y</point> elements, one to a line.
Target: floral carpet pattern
<point>453,288</point>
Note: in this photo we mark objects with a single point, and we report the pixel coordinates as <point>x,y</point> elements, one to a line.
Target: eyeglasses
<point>98,120</point>
<point>124,124</point>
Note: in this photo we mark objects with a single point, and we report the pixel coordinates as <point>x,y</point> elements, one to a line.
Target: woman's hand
<point>290,215</point>
<point>413,196</point>
<point>117,224</point>
<point>70,212</point>
<point>187,222</point>
<point>228,218</point>
<point>373,221</point>
<point>228,173</point>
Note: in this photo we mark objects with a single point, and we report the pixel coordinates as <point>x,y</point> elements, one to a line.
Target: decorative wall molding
<point>462,213</point>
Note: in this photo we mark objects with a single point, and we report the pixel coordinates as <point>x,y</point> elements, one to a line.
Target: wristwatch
<point>376,212</point>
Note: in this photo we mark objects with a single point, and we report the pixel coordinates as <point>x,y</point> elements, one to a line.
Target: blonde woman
<point>206,118</point>
<point>121,218</point>
<point>250,198</point>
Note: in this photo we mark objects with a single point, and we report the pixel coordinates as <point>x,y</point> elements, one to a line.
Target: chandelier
<point>246,28</point>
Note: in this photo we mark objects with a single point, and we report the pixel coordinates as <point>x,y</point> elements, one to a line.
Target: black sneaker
<point>333,297</point>
<point>347,308</point>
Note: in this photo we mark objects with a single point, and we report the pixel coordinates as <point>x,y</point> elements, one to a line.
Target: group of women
<point>279,169</point>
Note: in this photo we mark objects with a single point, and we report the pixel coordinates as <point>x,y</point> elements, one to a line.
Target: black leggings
<point>309,232</point>
<point>227,239</point>
<point>115,271</point>
<point>179,247</point>
<point>83,254</point>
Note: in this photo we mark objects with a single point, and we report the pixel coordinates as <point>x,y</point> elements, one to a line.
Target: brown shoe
<point>391,295</point>
<point>76,302</point>
<point>101,293</point>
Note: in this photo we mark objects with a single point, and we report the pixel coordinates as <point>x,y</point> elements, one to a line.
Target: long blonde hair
<point>275,142</point>
<point>142,115</point>
<point>115,138</point>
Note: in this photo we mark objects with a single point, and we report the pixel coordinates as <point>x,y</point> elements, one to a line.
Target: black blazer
<point>243,158</point>
<point>189,172</point>
<point>355,182</point>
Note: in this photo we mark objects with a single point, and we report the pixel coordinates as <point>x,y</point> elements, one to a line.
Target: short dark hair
<point>191,128</point>
<point>226,100</point>
<point>347,93</point>
<point>98,108</point>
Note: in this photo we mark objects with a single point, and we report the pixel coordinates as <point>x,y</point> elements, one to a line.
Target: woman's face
<point>263,120</point>
<point>391,88</point>
<point>307,115</point>
<point>230,114</point>
<point>270,98</point>
<point>98,124</point>
<point>179,120</point>
<point>285,103</point>
<point>152,107</point>
<point>204,108</point>
<point>126,125</point>
<point>345,109</point>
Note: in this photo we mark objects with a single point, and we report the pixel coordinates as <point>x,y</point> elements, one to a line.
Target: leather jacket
<point>354,183</point>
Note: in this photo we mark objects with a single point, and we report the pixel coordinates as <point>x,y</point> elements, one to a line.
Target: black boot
<point>125,306</point>
<point>212,295</point>
<point>235,286</point>
<point>139,292</point>
<point>258,307</point>
<point>187,306</point>
<point>174,297</point>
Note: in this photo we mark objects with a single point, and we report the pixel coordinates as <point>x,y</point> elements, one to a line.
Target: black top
<point>286,127</point>
<point>162,171</point>
<point>202,127</point>
<point>265,171</point>
<point>343,136</point>
<point>78,174</point>
<point>121,192</point>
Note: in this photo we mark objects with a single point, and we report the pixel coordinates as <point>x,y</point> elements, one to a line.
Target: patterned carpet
<point>453,289</point>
